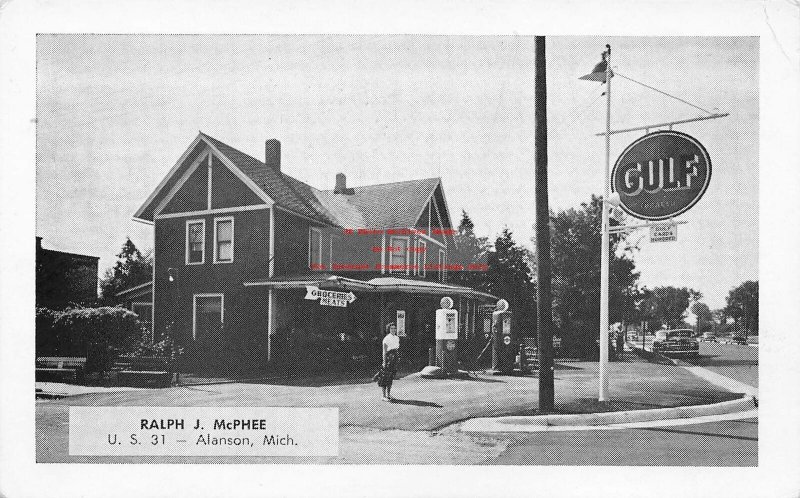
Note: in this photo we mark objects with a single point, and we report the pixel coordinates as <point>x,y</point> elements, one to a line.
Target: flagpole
<point>604,256</point>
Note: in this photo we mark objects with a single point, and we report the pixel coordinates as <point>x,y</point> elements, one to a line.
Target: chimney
<point>341,185</point>
<point>272,153</point>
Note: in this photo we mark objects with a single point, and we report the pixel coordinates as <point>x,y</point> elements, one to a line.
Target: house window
<point>335,243</point>
<point>209,315</point>
<point>441,265</point>
<point>315,249</point>
<point>195,242</point>
<point>422,257</point>
<point>223,240</point>
<point>398,255</point>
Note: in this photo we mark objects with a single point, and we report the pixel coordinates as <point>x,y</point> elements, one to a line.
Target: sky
<point>115,112</point>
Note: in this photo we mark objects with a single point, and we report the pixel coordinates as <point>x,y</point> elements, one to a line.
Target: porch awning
<point>377,285</point>
<point>321,280</point>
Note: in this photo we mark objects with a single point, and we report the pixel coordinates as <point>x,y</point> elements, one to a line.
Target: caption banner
<point>203,431</point>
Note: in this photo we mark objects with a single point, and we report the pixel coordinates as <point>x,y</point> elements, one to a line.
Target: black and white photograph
<point>513,251</point>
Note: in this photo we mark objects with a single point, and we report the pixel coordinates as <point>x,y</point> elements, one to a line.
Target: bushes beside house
<point>99,334</point>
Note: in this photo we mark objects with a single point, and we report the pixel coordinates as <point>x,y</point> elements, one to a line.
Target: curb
<point>514,423</point>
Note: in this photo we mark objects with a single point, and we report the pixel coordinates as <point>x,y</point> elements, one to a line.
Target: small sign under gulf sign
<point>661,175</point>
<point>666,232</point>
<point>329,298</point>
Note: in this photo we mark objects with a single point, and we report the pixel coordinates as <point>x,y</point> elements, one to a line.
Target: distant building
<point>63,278</point>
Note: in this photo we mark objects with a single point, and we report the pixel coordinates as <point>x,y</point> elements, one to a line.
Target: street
<point>723,443</point>
<point>422,427</point>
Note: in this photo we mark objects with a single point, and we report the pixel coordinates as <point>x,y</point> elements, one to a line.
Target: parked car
<point>737,339</point>
<point>708,337</point>
<point>678,342</point>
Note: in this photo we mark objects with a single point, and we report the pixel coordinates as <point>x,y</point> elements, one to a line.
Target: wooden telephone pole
<point>544,317</point>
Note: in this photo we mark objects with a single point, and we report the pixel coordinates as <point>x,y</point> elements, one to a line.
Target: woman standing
<point>391,351</point>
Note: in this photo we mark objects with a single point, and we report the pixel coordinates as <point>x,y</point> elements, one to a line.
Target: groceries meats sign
<point>661,175</point>
<point>328,297</point>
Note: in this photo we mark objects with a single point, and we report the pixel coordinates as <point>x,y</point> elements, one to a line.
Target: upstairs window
<point>422,257</point>
<point>398,255</point>
<point>195,242</point>
<point>315,249</point>
<point>441,266</point>
<point>223,240</point>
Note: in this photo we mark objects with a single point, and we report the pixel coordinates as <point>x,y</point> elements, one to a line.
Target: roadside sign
<point>507,340</point>
<point>666,232</point>
<point>329,298</point>
<point>451,345</point>
<point>401,323</point>
<point>661,175</point>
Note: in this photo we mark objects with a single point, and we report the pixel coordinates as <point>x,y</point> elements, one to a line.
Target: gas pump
<point>446,336</point>
<point>503,348</point>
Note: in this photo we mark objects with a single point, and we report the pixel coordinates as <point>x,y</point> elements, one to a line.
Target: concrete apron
<point>684,415</point>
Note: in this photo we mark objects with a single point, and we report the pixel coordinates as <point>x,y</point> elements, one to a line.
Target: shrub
<point>101,334</point>
<point>47,334</point>
<point>165,347</point>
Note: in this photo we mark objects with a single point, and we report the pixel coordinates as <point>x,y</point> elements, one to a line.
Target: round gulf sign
<point>446,303</point>
<point>502,305</point>
<point>661,175</point>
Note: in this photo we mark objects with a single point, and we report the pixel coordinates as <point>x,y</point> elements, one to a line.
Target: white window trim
<point>146,303</point>
<point>422,256</point>
<point>310,230</point>
<point>233,237</point>
<point>407,253</point>
<point>192,222</point>
<point>194,310</point>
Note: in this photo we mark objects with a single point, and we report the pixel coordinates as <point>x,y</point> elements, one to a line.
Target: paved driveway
<point>423,404</point>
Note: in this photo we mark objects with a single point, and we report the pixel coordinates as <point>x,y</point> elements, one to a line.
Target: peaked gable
<point>229,191</point>
<point>192,193</point>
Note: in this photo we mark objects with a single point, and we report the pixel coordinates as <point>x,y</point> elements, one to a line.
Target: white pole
<point>605,241</point>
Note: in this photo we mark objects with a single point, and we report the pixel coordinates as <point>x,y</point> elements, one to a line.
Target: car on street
<point>737,339</point>
<point>708,337</point>
<point>677,342</point>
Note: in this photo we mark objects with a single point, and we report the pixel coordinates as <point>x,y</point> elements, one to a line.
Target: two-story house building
<point>240,249</point>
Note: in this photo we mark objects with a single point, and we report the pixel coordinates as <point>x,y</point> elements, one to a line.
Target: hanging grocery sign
<point>661,175</point>
<point>666,232</point>
<point>329,298</point>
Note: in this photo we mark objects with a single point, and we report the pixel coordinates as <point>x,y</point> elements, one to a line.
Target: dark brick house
<point>64,278</point>
<point>239,245</point>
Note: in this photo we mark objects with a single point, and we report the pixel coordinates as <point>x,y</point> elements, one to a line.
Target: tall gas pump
<point>446,336</point>
<point>503,348</point>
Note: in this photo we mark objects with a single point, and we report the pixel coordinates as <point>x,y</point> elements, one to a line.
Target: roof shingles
<point>389,205</point>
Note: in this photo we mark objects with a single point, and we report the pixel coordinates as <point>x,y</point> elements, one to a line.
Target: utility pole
<point>604,253</point>
<point>544,318</point>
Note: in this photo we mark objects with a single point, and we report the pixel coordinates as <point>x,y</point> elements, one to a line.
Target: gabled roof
<point>286,191</point>
<point>397,204</point>
<point>389,205</point>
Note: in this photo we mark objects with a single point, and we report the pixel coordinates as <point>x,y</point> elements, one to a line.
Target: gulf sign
<point>661,175</point>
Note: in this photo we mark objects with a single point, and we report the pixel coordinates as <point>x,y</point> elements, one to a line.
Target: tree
<point>509,277</point>
<point>132,268</point>
<point>575,246</point>
<point>742,306</point>
<point>704,317</point>
<point>470,249</point>
<point>667,305</point>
